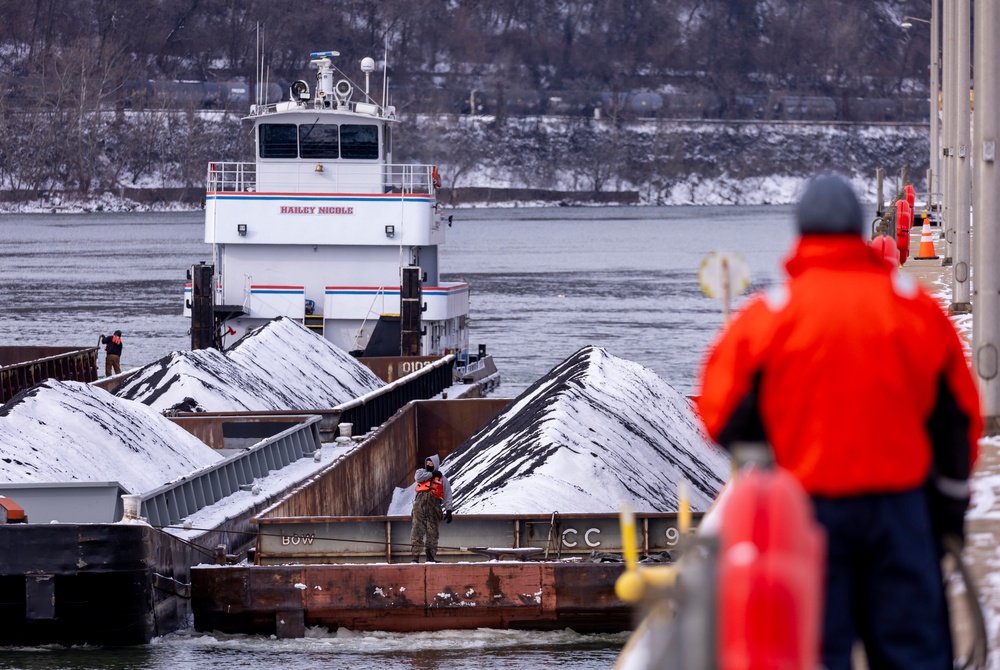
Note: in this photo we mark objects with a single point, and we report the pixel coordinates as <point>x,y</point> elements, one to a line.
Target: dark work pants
<point>883,583</point>
<point>426,520</point>
<point>112,362</point>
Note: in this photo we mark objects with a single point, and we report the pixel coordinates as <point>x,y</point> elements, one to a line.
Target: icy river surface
<point>544,283</point>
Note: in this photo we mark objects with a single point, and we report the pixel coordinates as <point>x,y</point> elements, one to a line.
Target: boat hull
<point>284,600</point>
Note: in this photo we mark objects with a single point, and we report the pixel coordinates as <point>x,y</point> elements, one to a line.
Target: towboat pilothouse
<point>323,227</point>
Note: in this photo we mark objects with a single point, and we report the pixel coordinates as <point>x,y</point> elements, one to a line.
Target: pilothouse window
<point>318,141</point>
<point>358,141</point>
<point>312,141</point>
<point>278,140</point>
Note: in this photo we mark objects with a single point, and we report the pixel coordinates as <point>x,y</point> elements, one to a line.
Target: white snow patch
<point>74,432</point>
<point>280,366</point>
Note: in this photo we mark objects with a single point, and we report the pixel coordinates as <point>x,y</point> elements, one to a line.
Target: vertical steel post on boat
<point>411,307</point>
<point>202,307</point>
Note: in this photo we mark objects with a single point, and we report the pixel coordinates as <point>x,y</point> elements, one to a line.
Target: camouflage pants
<point>426,521</point>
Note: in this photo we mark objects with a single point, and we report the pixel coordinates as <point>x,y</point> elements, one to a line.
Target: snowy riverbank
<point>652,162</point>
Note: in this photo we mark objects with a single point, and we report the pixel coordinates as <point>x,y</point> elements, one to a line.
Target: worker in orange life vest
<point>433,489</point>
<point>113,347</point>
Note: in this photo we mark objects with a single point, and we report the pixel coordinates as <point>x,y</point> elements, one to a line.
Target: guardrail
<point>169,504</point>
<point>241,177</point>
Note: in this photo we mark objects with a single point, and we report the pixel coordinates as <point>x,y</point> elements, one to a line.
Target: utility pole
<point>962,180</point>
<point>947,123</point>
<point>934,179</point>
<point>986,323</point>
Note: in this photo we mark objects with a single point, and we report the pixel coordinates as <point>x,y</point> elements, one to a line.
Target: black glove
<point>437,473</point>
<point>947,515</point>
<point>447,516</point>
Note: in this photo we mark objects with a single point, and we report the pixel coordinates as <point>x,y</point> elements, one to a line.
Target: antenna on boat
<point>261,93</point>
<point>367,66</point>
<point>385,73</point>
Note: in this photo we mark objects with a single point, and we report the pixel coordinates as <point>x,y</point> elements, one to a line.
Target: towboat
<point>325,228</point>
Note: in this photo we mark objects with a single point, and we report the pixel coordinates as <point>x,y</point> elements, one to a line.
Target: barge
<point>95,563</point>
<point>327,555</point>
<point>536,572</point>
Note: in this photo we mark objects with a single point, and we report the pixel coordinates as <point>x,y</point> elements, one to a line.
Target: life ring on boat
<point>435,177</point>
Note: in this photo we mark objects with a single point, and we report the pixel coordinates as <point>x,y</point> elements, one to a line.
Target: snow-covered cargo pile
<point>73,432</point>
<point>280,366</point>
<point>595,432</point>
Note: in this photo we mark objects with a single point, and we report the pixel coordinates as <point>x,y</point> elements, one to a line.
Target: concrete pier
<point>982,555</point>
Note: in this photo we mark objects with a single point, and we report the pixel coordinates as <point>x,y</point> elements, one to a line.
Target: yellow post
<point>629,585</point>
<point>683,509</point>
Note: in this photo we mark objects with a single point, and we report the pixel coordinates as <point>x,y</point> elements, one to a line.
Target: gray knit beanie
<point>829,207</point>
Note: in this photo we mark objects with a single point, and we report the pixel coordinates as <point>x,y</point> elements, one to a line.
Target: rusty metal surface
<point>442,426</point>
<point>410,597</point>
<point>391,368</point>
<point>210,427</point>
<point>362,482</point>
<point>24,367</point>
<point>329,418</point>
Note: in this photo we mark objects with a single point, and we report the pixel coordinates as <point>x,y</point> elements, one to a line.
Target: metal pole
<point>986,322</point>
<point>961,274</point>
<point>948,123</point>
<point>934,182</point>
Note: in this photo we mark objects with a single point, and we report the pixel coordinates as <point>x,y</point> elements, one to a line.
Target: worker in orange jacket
<point>431,504</point>
<point>858,381</point>
<point>113,348</point>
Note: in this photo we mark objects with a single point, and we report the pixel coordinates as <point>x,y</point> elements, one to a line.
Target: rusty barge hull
<point>285,600</point>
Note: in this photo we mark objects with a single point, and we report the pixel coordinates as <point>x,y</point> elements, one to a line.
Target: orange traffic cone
<point>926,251</point>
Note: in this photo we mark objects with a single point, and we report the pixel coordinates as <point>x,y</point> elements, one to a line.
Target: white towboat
<point>324,228</point>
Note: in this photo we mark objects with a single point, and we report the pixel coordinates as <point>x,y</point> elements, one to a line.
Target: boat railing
<point>408,178</point>
<point>328,104</point>
<point>232,177</point>
<point>235,177</point>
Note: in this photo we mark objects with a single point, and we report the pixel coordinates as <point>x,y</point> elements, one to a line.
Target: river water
<point>545,282</point>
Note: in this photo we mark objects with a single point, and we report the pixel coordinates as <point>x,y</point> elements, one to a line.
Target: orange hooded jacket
<point>850,371</point>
